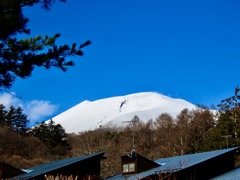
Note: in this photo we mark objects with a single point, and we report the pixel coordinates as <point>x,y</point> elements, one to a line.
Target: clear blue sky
<point>188,49</point>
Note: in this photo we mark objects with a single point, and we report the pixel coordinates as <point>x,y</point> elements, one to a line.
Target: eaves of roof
<point>234,174</point>
<point>51,166</point>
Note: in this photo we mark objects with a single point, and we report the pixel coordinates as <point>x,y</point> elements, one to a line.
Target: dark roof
<point>117,176</point>
<point>48,167</point>
<point>176,163</point>
<point>234,174</point>
<point>185,161</point>
<point>10,166</point>
<point>146,159</point>
<point>9,170</point>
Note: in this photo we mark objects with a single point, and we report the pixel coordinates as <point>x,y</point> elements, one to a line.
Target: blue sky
<point>183,49</point>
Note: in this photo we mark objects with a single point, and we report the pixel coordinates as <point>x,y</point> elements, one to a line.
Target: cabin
<point>134,163</point>
<point>233,174</point>
<point>197,166</point>
<point>8,171</point>
<point>81,167</point>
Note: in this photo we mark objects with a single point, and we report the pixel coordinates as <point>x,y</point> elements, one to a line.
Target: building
<point>82,166</point>
<point>135,163</point>
<point>8,171</point>
<point>198,166</point>
<point>233,174</point>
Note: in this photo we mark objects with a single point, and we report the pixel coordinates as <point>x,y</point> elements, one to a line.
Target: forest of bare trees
<point>162,137</point>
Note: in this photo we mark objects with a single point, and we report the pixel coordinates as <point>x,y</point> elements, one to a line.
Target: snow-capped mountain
<point>111,112</point>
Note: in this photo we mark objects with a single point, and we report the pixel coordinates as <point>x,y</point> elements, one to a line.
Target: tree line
<point>25,146</point>
<point>14,118</point>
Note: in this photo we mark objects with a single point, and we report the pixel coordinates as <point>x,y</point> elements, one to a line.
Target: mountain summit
<point>111,112</point>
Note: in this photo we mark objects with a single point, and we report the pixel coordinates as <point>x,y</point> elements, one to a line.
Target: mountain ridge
<point>112,111</point>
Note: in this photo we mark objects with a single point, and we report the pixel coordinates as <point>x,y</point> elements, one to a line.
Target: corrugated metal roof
<point>184,161</point>
<point>176,163</point>
<point>117,176</point>
<point>231,175</point>
<point>173,164</point>
<point>47,167</point>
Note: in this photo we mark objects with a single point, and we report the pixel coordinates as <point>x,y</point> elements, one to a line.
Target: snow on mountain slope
<point>114,110</point>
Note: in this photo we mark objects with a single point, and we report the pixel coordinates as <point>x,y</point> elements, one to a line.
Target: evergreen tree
<point>231,102</point>
<point>19,57</point>
<point>20,122</point>
<point>226,133</point>
<point>230,116</point>
<point>13,119</point>
<point>53,135</point>
<point>3,113</point>
<point>10,116</point>
<point>41,132</point>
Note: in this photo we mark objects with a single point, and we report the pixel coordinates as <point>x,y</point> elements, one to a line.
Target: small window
<point>128,167</point>
<point>131,167</point>
<point>125,168</point>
